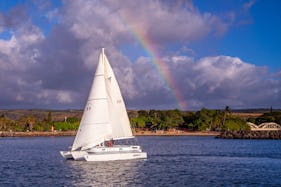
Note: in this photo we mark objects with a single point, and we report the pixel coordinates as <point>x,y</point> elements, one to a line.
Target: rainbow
<point>160,65</point>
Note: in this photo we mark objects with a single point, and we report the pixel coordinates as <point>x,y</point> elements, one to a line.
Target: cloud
<point>249,4</point>
<point>112,22</point>
<point>12,19</point>
<point>224,80</point>
<point>64,97</point>
<point>56,70</point>
<point>207,82</point>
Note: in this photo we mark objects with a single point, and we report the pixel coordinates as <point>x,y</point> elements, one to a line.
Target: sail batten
<point>99,75</point>
<point>97,99</point>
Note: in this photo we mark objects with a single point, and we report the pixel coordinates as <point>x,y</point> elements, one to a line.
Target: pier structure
<point>270,126</point>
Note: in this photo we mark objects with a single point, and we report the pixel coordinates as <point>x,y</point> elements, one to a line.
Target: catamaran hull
<point>66,154</point>
<point>75,155</point>
<point>115,156</point>
<point>79,155</point>
<point>118,152</point>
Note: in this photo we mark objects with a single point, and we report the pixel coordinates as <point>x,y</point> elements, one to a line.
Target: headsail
<point>119,120</point>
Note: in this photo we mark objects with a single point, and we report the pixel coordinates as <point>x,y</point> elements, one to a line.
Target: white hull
<point>75,155</point>
<point>117,152</point>
<point>66,154</point>
<point>79,155</point>
<point>115,156</point>
<point>115,149</point>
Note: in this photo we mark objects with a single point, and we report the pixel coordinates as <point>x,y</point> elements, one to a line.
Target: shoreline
<point>261,134</point>
<point>139,133</point>
<point>176,133</point>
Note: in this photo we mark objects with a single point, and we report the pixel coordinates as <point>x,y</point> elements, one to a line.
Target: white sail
<point>95,123</point>
<point>119,120</point>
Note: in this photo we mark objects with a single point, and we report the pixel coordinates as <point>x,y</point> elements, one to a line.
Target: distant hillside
<point>255,110</point>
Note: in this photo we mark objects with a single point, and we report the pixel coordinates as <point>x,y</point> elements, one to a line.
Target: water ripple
<point>172,161</point>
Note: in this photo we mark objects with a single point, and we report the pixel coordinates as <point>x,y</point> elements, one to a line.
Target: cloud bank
<point>55,70</point>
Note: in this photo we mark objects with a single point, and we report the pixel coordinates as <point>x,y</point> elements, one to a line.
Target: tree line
<point>31,123</point>
<point>205,119</point>
<point>272,116</point>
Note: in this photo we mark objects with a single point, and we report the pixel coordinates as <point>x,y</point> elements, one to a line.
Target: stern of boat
<point>66,154</point>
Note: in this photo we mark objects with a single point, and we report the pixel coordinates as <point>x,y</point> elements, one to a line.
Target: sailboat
<point>105,125</point>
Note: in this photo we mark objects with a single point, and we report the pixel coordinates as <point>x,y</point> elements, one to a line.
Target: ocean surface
<point>172,161</point>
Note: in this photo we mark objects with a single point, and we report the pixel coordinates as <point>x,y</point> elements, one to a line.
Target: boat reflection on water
<point>111,173</point>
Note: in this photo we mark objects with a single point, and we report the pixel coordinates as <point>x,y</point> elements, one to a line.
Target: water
<point>172,161</point>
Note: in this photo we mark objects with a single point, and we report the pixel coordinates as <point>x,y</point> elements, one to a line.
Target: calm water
<point>172,161</point>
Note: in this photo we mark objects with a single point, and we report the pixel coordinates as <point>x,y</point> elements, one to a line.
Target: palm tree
<point>226,111</point>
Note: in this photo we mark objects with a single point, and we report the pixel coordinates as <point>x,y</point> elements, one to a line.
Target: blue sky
<point>254,36</point>
<point>206,46</point>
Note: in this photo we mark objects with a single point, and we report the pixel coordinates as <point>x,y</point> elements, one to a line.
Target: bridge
<point>271,126</point>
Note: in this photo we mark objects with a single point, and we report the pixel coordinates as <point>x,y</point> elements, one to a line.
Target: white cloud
<point>64,97</point>
<point>111,22</point>
<point>209,82</point>
<point>55,71</point>
<point>214,71</point>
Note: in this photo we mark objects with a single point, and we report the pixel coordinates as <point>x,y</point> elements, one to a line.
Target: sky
<point>166,54</point>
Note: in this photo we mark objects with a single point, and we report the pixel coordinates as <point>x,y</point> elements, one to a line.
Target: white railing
<point>270,126</point>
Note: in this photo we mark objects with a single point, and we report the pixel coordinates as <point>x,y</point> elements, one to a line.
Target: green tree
<point>49,119</point>
<point>6,123</point>
<point>66,126</point>
<point>142,113</point>
<point>138,122</point>
<point>226,112</point>
<point>235,123</point>
<point>175,117</point>
<point>188,118</point>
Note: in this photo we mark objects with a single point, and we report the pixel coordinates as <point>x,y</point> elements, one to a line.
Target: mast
<point>102,52</point>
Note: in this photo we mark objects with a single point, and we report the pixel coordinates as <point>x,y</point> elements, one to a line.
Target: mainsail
<point>105,115</point>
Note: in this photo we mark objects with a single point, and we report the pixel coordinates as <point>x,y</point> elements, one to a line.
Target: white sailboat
<point>104,123</point>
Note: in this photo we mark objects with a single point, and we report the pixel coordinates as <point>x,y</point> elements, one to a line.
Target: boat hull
<point>75,155</point>
<point>66,154</point>
<point>79,155</point>
<point>115,156</point>
<point>118,152</point>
